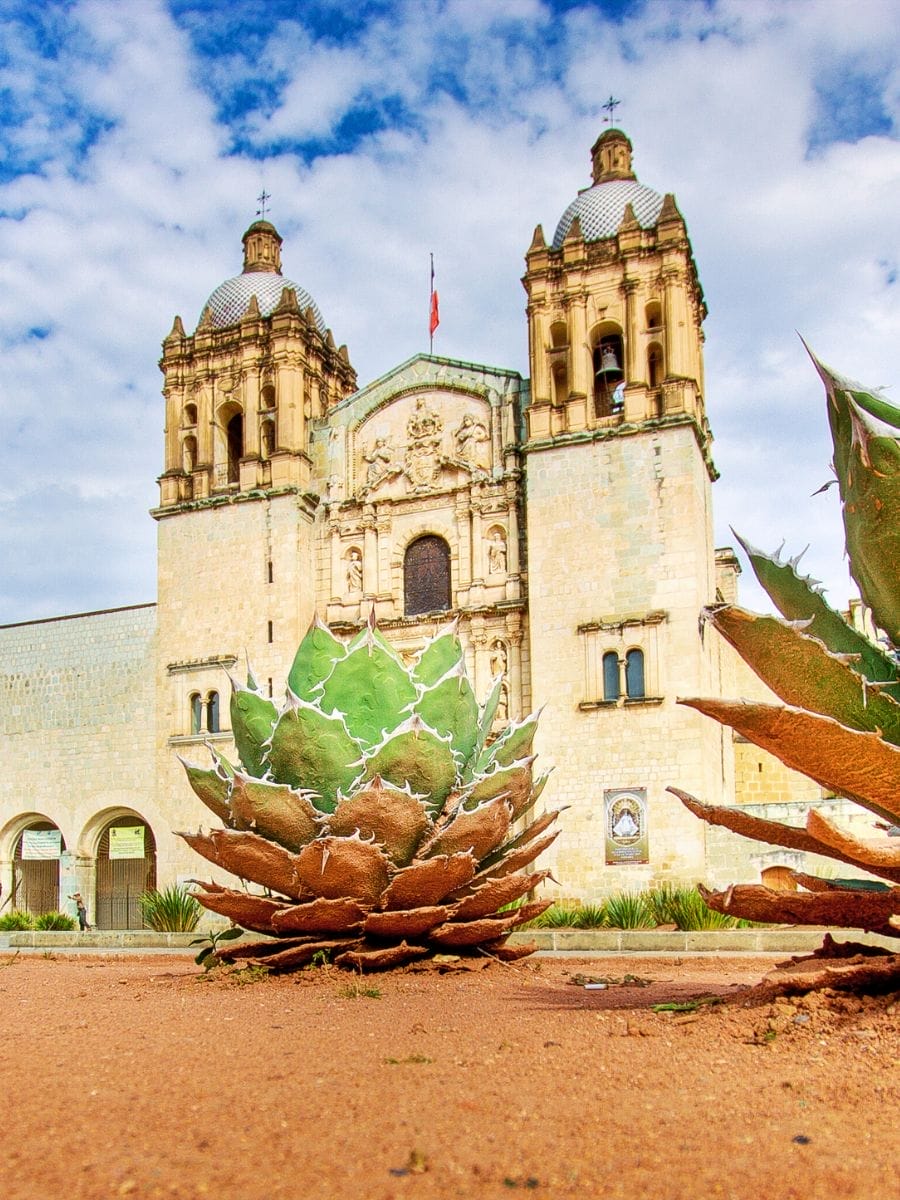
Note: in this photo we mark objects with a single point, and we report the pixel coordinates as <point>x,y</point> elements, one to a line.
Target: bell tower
<point>239,495</point>
<point>615,308</point>
<point>618,474</point>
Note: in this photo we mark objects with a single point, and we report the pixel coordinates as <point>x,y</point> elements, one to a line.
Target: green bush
<point>16,920</point>
<point>55,920</point>
<point>171,911</point>
<point>629,910</point>
<point>591,916</point>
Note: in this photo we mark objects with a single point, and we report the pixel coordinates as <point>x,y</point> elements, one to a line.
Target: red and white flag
<point>434,317</point>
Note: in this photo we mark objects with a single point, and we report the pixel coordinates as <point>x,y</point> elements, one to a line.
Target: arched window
<point>426,576</point>
<point>653,313</point>
<point>190,414</point>
<point>234,433</point>
<point>267,396</point>
<point>212,712</point>
<point>634,674</point>
<point>610,675</point>
<point>654,366</point>
<point>196,713</point>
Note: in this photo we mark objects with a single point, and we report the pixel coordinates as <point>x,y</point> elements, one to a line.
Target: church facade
<point>564,521</point>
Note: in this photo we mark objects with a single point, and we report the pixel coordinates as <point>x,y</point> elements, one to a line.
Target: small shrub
<point>591,916</point>
<point>171,911</point>
<point>687,910</point>
<point>16,920</point>
<point>629,910</point>
<point>55,920</point>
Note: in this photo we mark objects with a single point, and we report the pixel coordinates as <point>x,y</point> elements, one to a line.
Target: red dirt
<point>142,1078</point>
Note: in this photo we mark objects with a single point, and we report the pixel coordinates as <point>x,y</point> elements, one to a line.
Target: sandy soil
<point>143,1078</point>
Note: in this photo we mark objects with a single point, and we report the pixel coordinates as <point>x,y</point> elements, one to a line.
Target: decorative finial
<point>610,109</point>
<point>264,197</point>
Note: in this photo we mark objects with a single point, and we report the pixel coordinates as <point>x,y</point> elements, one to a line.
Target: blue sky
<point>136,134</point>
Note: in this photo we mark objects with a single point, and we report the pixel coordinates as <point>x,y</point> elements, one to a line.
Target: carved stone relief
<point>354,571</point>
<point>496,553</point>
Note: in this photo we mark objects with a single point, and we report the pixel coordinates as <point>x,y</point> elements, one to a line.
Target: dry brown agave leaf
<point>774,832</point>
<point>241,908</point>
<point>320,916</point>
<point>509,952</point>
<point>250,856</point>
<point>379,959</point>
<point>528,912</point>
<point>479,830</point>
<point>425,883</point>
<point>236,951</point>
<point>522,839</point>
<point>842,908</point>
<point>406,922</point>
<point>858,765</point>
<point>395,818</point>
<point>470,933</point>
<point>274,810</point>
<point>513,862</point>
<point>875,857</point>
<point>300,955</point>
<point>344,867</point>
<point>493,894</point>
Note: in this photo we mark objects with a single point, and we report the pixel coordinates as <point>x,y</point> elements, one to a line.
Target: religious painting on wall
<point>625,826</point>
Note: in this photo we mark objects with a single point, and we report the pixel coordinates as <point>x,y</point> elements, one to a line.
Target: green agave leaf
<point>212,786</point>
<point>371,688</point>
<point>440,655</point>
<point>798,599</point>
<point>253,716</point>
<point>802,672</point>
<point>312,750</point>
<point>864,430</point>
<point>450,708</point>
<point>861,766</point>
<point>415,755</point>
<point>513,781</point>
<point>512,744</point>
<point>314,660</point>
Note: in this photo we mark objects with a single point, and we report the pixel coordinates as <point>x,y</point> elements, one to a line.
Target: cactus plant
<point>373,811</point>
<point>839,722</point>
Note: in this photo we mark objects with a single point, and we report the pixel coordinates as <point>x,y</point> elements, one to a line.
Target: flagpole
<point>431,310</point>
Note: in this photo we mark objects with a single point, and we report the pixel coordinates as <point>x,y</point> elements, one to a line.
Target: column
<point>338,583</point>
<point>634,370</point>
<point>370,555</point>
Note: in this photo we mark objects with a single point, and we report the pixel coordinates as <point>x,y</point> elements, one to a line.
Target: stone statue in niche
<point>472,438</point>
<point>498,660</point>
<point>501,716</point>
<point>381,462</point>
<point>496,553</point>
<point>423,459</point>
<point>354,571</point>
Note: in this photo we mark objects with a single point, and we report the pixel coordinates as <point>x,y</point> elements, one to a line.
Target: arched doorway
<point>126,868</point>
<point>35,886</point>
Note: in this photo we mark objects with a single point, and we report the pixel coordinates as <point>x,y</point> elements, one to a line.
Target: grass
<point>171,911</point>
<point>664,904</point>
<point>357,991</point>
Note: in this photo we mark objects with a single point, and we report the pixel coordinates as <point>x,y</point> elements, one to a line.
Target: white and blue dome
<point>229,301</point>
<point>600,209</point>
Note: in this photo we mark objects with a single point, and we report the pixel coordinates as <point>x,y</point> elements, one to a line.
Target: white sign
<point>41,843</point>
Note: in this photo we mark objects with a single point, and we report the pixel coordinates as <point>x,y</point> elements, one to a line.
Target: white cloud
<point>107,242</point>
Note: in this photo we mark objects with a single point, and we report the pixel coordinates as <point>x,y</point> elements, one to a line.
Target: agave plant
<point>376,816</point>
<point>839,722</point>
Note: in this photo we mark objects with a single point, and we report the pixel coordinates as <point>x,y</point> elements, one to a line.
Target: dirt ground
<point>142,1077</point>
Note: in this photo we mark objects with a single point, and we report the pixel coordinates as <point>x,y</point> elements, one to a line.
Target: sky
<point>136,135</point>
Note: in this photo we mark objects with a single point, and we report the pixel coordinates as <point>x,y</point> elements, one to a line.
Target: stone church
<point>565,521</point>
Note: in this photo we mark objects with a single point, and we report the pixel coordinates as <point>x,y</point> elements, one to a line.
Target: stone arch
<point>427,576</point>
<point>33,884</point>
<point>229,433</point>
<point>607,346</point>
<point>119,882</point>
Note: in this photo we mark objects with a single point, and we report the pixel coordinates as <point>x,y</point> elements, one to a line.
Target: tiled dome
<point>600,209</point>
<point>229,301</point>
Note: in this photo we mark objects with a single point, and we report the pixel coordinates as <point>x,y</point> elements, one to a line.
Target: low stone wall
<point>787,940</point>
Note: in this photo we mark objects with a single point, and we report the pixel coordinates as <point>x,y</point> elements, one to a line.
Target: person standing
<point>81,909</point>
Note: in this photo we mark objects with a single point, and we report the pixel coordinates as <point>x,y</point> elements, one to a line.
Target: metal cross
<point>610,107</point>
<point>263,198</point>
